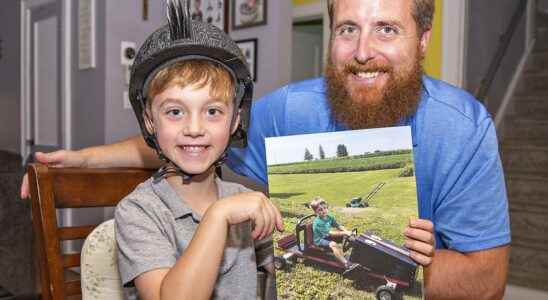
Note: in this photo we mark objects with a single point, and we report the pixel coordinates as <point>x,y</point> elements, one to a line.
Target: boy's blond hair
<point>194,72</point>
<point>317,202</point>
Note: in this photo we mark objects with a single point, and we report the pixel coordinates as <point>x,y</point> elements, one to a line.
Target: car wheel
<point>385,293</point>
<point>280,263</point>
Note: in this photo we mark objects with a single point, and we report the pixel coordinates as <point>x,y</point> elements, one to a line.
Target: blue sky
<point>288,149</point>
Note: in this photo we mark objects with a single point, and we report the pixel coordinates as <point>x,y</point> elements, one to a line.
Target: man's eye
<point>345,30</point>
<point>388,30</point>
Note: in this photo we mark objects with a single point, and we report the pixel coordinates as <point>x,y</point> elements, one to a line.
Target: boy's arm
<point>132,152</point>
<point>204,253</point>
<point>202,256</point>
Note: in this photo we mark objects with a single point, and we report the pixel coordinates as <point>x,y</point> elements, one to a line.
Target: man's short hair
<point>190,72</point>
<point>423,13</point>
<point>317,202</point>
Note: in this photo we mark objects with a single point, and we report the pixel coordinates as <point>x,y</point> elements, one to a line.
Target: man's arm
<point>132,152</point>
<point>475,275</point>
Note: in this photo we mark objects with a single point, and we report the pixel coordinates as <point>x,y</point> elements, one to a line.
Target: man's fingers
<point>25,187</point>
<point>421,259</point>
<point>420,235</point>
<point>422,224</point>
<point>53,159</point>
<point>420,247</point>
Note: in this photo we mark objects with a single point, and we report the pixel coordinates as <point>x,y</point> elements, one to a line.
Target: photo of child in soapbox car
<point>379,261</point>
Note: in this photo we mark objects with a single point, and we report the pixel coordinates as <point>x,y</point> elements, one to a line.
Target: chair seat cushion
<point>100,277</point>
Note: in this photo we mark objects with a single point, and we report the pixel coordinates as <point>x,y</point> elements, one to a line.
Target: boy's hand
<point>254,206</point>
<point>420,241</point>
<point>59,159</point>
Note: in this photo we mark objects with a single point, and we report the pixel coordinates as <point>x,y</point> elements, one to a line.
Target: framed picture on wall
<point>210,11</point>
<point>249,49</point>
<point>248,13</point>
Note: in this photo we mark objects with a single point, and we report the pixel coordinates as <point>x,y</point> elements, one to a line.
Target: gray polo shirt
<point>154,226</point>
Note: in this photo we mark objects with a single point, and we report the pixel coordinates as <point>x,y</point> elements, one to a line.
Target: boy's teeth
<point>368,75</point>
<point>193,148</point>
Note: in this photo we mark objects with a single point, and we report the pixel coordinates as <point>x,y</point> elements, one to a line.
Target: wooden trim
<point>39,238</point>
<point>71,260</point>
<point>73,288</point>
<point>75,232</point>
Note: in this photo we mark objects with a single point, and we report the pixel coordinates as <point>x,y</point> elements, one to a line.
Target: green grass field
<point>327,164</point>
<point>387,216</point>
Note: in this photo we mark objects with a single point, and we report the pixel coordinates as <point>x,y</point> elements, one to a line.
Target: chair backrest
<point>55,188</point>
<point>99,265</point>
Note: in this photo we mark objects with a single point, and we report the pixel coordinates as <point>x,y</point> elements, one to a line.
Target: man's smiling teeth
<point>367,75</point>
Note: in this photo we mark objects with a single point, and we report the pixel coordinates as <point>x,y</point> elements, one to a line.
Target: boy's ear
<point>236,122</point>
<point>149,125</point>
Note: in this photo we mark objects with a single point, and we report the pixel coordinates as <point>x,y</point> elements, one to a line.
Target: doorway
<point>45,75</point>
<point>307,55</point>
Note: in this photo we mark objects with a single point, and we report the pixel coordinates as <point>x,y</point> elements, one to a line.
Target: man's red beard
<point>361,107</point>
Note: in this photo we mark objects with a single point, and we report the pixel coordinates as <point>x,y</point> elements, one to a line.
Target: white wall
<point>514,292</point>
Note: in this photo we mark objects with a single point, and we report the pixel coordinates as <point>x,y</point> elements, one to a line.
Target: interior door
<point>307,52</point>
<point>44,121</point>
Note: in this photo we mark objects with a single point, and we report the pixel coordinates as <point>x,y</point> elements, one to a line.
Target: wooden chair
<point>55,188</point>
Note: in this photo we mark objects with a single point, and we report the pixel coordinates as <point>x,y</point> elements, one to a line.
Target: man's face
<point>374,68</point>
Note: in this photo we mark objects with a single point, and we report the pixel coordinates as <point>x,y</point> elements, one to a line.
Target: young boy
<point>323,232</point>
<point>185,233</point>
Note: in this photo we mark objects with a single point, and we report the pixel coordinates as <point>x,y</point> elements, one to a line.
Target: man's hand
<point>56,159</point>
<point>420,241</point>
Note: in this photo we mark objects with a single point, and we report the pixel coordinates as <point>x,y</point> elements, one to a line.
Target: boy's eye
<point>175,112</point>
<point>213,111</point>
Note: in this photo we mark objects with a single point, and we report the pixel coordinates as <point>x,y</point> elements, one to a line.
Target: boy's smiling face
<point>322,210</point>
<point>193,128</point>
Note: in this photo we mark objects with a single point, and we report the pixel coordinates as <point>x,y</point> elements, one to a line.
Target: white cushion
<point>99,266</point>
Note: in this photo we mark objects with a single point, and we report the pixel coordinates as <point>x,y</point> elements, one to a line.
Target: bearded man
<point>373,79</point>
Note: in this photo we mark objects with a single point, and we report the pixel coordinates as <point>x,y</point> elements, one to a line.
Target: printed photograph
<point>346,198</point>
<point>248,13</point>
<point>210,11</point>
<point>249,50</point>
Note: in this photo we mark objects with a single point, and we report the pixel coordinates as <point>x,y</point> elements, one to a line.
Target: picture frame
<point>210,11</point>
<point>248,13</point>
<point>249,50</point>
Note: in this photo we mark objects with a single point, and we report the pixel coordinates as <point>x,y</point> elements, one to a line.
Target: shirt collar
<point>176,204</point>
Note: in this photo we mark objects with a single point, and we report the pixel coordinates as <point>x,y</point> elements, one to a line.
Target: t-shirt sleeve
<point>142,245</point>
<point>265,121</point>
<point>471,211</point>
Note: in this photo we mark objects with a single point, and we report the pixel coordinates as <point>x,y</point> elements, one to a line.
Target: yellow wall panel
<point>433,59</point>
<point>304,2</point>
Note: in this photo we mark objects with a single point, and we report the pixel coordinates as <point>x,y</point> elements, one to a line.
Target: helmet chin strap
<point>172,169</point>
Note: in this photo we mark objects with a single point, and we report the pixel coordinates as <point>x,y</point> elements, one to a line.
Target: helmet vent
<point>179,20</point>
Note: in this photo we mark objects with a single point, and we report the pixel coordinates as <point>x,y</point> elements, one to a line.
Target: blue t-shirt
<point>460,182</point>
<point>321,227</point>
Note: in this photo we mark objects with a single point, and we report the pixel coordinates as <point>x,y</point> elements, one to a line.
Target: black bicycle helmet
<point>185,39</point>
